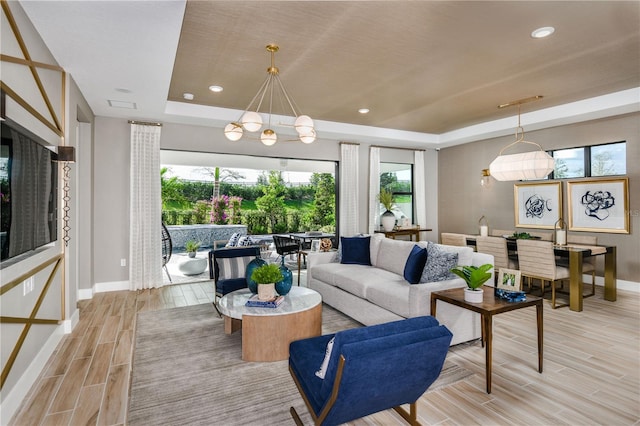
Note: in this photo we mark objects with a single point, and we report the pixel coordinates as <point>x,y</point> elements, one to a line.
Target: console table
<point>411,232</point>
<point>490,306</point>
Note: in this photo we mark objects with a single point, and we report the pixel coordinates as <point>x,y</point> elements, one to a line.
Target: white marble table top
<point>299,299</point>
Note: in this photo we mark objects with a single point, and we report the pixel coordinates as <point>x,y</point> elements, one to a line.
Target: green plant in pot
<point>266,276</point>
<point>192,247</point>
<point>475,277</point>
<point>388,219</point>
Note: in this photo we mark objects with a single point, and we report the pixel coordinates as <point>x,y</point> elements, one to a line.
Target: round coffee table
<point>267,332</point>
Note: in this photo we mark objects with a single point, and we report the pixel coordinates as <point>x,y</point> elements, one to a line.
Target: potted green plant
<point>388,219</point>
<point>266,276</point>
<point>192,247</point>
<point>475,277</point>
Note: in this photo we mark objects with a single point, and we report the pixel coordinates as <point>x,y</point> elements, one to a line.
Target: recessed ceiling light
<point>363,110</point>
<point>542,32</point>
<point>188,96</point>
<point>122,90</point>
<point>216,89</point>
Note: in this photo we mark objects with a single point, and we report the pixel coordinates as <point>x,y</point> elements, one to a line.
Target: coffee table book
<point>254,302</point>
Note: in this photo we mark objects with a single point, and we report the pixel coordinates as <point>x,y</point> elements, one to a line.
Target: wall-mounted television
<point>28,192</point>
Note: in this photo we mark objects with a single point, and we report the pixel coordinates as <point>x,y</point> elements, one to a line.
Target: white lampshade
<point>523,166</point>
<point>251,121</point>
<point>233,131</point>
<point>308,137</point>
<point>268,137</point>
<point>303,125</point>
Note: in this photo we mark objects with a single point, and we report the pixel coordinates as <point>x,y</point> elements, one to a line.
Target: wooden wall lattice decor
<point>43,110</point>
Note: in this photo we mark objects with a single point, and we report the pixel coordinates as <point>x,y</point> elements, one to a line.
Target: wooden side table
<point>490,306</point>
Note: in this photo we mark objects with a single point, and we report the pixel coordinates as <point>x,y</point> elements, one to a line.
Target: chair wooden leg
<point>296,417</point>
<point>412,416</point>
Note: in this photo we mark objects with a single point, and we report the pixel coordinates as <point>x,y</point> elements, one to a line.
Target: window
<point>398,178</point>
<point>610,159</point>
<point>597,160</point>
<point>569,163</point>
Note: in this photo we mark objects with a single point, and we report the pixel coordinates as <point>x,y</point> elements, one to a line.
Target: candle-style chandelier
<point>251,120</point>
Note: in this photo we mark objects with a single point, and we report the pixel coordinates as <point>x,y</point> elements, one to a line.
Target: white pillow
<point>325,363</point>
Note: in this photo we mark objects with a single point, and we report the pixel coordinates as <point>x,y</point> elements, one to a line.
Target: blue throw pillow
<point>355,250</point>
<point>415,264</point>
<point>439,264</point>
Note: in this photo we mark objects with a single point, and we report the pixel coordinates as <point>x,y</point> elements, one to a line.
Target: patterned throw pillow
<point>245,241</point>
<point>233,241</point>
<point>327,355</point>
<point>233,267</point>
<point>439,264</point>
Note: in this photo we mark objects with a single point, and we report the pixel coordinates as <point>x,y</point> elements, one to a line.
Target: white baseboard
<point>620,284</point>
<point>87,293</point>
<point>11,403</point>
<point>111,286</point>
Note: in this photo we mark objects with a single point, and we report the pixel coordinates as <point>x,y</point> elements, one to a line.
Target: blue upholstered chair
<point>227,267</point>
<point>369,369</point>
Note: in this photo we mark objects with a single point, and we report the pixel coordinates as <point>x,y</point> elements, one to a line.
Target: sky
<point>251,175</point>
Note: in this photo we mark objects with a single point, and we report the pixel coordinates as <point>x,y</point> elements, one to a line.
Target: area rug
<point>186,371</point>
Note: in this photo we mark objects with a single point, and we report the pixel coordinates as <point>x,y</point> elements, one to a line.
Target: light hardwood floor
<point>591,367</point>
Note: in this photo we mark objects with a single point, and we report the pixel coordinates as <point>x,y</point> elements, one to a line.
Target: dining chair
<point>588,264</point>
<point>537,260</point>
<point>452,239</point>
<point>496,246</point>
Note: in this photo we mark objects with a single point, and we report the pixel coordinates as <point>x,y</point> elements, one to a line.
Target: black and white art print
<point>537,205</point>
<point>599,205</point>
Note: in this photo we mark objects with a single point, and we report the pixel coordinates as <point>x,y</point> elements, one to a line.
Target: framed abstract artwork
<point>537,205</point>
<point>599,205</point>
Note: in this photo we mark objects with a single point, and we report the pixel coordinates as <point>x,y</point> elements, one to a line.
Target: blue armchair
<point>369,369</point>
<point>227,267</point>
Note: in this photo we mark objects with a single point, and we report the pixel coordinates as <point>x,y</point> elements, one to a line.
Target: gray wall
<point>462,201</point>
<point>41,340</point>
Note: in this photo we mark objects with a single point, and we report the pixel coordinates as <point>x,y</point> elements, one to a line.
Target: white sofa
<point>379,293</point>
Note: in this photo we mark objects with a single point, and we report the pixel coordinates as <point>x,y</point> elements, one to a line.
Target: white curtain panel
<point>420,189</point>
<point>348,189</point>
<point>374,189</point>
<point>145,235</point>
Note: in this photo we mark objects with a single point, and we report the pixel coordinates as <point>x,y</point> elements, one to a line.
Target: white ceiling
<point>432,73</point>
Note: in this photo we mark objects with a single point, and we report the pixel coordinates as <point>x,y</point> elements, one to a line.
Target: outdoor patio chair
<point>227,267</point>
<point>167,249</point>
<point>286,245</point>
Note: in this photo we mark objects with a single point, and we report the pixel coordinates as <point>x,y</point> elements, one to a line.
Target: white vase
<point>266,291</point>
<point>473,296</point>
<point>388,221</point>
